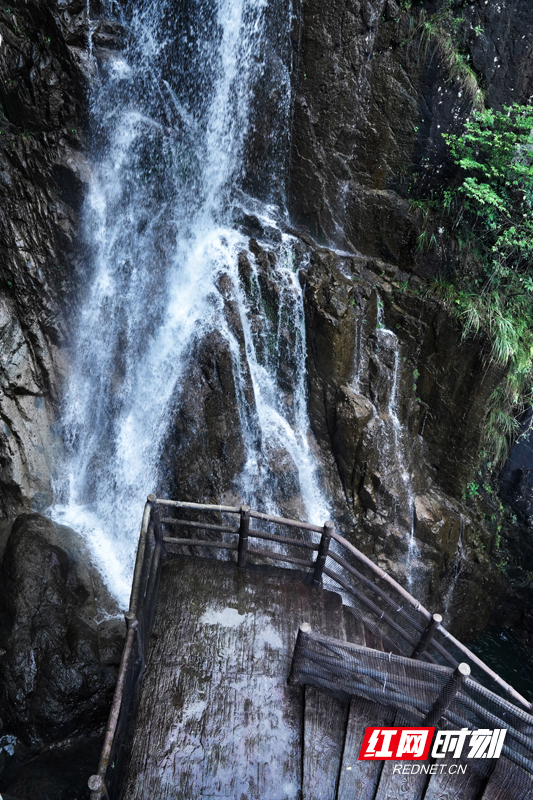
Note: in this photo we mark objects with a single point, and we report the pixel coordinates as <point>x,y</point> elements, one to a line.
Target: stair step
<point>358,779</point>
<point>400,787</point>
<point>508,782</point>
<point>324,729</point>
<point>446,786</point>
<point>355,630</point>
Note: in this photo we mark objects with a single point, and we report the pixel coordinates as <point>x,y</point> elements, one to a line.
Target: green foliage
<point>472,490</point>
<point>443,31</point>
<point>489,211</point>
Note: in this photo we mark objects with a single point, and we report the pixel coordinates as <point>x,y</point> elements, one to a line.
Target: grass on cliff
<point>444,32</point>
<point>488,211</point>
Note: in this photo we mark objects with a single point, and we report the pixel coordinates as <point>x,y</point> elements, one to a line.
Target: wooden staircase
<point>333,732</point>
<point>203,707</point>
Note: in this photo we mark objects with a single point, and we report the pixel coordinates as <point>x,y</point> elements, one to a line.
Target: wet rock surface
<point>42,179</point>
<point>371,102</point>
<point>516,486</point>
<point>204,454</point>
<point>60,638</point>
<point>399,399</point>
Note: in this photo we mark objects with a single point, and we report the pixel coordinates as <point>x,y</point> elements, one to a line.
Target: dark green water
<point>501,651</point>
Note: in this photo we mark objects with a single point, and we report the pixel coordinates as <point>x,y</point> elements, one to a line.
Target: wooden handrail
<point>98,780</point>
<point>447,684</point>
<point>383,575</point>
<point>146,573</point>
<point>300,562</point>
<point>481,664</point>
<point>205,526</point>
<point>371,606</point>
<point>378,572</point>
<point>199,506</point>
<point>136,584</point>
<point>272,537</point>
<point>367,582</point>
<point>171,540</point>
<point>289,523</point>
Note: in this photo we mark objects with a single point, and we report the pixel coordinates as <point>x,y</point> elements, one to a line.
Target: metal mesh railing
<point>422,694</point>
<point>396,618</point>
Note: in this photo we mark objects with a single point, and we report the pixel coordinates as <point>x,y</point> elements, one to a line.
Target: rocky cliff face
<point>398,398</point>
<point>59,645</point>
<point>41,187</point>
<point>45,67</point>
<point>372,98</point>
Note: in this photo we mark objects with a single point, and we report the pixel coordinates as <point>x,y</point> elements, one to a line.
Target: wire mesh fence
<point>479,726</point>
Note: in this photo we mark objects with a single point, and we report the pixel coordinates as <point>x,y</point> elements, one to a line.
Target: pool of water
<point>502,651</point>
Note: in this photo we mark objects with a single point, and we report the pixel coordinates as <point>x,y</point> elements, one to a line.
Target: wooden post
<point>139,561</point>
<point>97,787</point>
<point>243,536</point>
<point>322,554</point>
<point>449,691</point>
<point>297,657</point>
<point>156,516</point>
<point>427,636</point>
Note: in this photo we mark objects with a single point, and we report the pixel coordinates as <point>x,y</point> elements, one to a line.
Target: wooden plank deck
<point>324,730</point>
<point>216,717</point>
<point>358,779</point>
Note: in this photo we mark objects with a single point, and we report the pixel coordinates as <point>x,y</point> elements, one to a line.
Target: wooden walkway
<point>203,707</point>
<point>217,718</point>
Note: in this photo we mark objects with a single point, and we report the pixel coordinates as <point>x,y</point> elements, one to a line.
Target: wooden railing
<point>424,694</point>
<point>397,618</point>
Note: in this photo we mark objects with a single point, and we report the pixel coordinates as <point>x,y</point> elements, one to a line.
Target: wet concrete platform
<point>216,717</point>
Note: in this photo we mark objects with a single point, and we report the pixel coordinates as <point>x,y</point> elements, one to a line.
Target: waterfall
<point>358,355</point>
<point>171,116</point>
<point>393,434</point>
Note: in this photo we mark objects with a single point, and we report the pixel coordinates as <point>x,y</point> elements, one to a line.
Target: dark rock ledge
<point>61,638</point>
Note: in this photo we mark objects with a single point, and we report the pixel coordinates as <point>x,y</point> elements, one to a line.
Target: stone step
<point>324,730</point>
<point>217,718</point>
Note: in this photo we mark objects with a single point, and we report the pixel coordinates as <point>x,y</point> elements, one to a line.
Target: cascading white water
<point>412,549</point>
<point>388,340</point>
<point>358,355</point>
<point>170,117</point>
